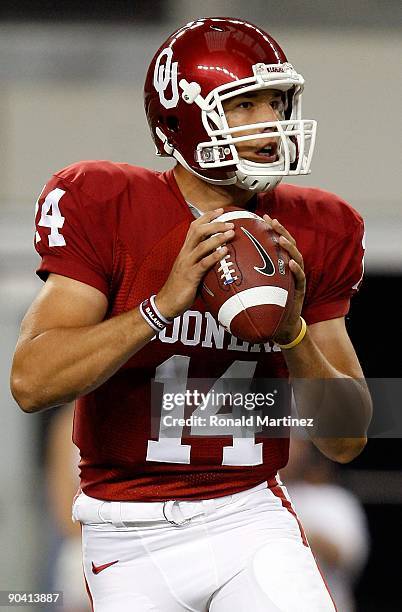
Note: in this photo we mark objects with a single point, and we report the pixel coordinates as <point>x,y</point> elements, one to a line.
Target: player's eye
<point>278,106</point>
<point>245,104</point>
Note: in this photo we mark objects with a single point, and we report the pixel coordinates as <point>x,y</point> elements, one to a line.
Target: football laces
<point>228,273</point>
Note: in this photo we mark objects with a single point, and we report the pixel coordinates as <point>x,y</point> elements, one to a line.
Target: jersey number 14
<point>173,374</point>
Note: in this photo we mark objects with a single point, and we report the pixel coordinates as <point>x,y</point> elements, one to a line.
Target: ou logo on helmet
<point>165,74</point>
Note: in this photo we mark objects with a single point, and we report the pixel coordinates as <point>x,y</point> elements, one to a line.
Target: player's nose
<point>266,113</point>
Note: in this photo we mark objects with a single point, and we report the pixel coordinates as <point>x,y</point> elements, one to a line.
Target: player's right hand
<point>198,255</point>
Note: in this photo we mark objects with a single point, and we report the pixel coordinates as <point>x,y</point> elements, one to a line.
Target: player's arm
<point>66,349</point>
<point>327,357</point>
<point>338,398</point>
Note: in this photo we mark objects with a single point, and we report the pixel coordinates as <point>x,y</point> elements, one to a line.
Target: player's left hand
<point>290,327</point>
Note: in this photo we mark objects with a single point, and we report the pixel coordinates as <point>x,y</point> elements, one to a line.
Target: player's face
<point>256,107</point>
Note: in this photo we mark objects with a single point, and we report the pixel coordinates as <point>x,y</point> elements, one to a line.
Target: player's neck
<point>206,196</point>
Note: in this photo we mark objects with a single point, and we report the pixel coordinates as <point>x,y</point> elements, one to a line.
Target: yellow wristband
<point>299,337</point>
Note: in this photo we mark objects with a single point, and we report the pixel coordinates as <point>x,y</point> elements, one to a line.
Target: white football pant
<point>240,553</point>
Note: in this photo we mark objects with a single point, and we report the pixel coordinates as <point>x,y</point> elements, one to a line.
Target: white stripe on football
<point>256,296</point>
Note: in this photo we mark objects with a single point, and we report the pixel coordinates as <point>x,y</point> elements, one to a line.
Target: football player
<point>191,521</point>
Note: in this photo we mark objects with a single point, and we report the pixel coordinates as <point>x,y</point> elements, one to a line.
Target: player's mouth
<point>269,152</point>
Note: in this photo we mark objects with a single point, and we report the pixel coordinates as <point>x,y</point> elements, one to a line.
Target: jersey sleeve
<point>68,236</point>
<point>339,278</point>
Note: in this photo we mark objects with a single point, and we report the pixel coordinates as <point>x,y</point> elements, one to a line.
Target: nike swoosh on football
<point>100,568</point>
<point>268,268</point>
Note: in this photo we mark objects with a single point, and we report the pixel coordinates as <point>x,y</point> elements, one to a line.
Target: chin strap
<point>172,152</point>
<point>240,178</point>
<point>256,183</point>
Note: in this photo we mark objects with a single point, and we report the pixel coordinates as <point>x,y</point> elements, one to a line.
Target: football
<point>250,290</point>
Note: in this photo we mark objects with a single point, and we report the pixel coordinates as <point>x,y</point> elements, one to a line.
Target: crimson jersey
<point>119,229</point>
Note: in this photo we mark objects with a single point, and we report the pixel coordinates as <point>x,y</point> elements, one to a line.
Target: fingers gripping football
<point>290,327</point>
<point>204,227</point>
<point>198,254</point>
<point>208,246</point>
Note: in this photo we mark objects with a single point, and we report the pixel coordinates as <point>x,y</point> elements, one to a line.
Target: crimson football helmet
<point>191,75</point>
